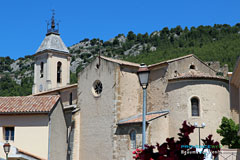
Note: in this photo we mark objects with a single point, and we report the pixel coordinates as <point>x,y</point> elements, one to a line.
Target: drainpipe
<point>49,138</point>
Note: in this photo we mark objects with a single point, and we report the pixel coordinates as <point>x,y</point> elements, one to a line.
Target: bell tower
<point>52,61</point>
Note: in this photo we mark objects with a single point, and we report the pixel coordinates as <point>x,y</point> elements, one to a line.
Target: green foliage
<point>94,41</point>
<point>217,43</point>
<point>85,40</point>
<point>131,36</point>
<point>8,87</point>
<point>5,63</point>
<point>229,131</point>
<point>73,78</point>
<point>115,42</point>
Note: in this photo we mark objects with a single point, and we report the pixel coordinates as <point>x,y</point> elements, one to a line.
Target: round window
<point>97,88</point>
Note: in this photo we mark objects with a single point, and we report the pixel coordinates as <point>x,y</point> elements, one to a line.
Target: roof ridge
<point>55,89</point>
<point>171,60</point>
<point>119,61</point>
<point>138,115</point>
<point>29,154</point>
<point>29,96</point>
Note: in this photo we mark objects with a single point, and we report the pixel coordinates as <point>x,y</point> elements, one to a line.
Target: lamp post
<point>143,74</point>
<point>6,148</point>
<point>199,127</point>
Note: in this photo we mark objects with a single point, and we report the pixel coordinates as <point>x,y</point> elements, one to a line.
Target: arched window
<point>133,139</point>
<point>70,99</point>
<point>41,69</point>
<point>195,106</point>
<point>59,72</point>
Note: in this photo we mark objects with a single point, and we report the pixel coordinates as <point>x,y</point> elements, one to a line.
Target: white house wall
<point>31,133</point>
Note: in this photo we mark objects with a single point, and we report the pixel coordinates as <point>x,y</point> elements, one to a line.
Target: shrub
<point>174,150</point>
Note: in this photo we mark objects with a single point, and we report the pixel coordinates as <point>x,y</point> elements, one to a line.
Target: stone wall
<point>217,67</point>
<point>97,111</point>
<point>214,103</point>
<point>183,66</point>
<point>234,98</point>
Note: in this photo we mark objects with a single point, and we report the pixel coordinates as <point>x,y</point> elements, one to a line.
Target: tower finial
<point>53,20</point>
<point>52,29</point>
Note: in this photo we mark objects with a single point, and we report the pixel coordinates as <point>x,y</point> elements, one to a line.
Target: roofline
<point>30,154</point>
<point>161,64</point>
<point>52,51</point>
<point>198,78</point>
<point>56,89</point>
<point>171,60</point>
<point>55,105</point>
<point>24,113</point>
<point>47,34</point>
<point>152,66</point>
<point>132,64</point>
<point>136,116</point>
<point>204,63</point>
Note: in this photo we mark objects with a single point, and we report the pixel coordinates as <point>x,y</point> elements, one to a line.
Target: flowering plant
<point>173,150</point>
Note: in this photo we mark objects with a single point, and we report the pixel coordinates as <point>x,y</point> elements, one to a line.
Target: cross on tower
<point>53,28</point>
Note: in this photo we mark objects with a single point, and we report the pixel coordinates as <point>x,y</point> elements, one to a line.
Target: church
<point>101,115</point>
<point>180,89</point>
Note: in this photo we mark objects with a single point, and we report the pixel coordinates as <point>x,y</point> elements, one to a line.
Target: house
<point>110,101</point>
<point>35,126</point>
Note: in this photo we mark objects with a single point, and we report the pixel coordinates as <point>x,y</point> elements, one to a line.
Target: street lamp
<point>6,148</point>
<point>199,127</point>
<point>143,74</point>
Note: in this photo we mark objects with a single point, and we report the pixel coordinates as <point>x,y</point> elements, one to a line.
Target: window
<point>41,70</point>
<point>70,99</point>
<point>97,88</point>
<point>195,106</point>
<point>133,139</point>
<point>9,133</point>
<point>59,72</point>
<point>192,67</point>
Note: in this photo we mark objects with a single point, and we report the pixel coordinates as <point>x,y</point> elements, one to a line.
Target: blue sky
<point>23,23</point>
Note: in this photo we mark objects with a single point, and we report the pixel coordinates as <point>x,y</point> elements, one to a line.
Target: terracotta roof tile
<point>138,118</point>
<point>27,104</point>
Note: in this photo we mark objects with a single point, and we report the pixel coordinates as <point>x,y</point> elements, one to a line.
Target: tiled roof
<point>27,104</point>
<point>192,74</point>
<point>138,118</point>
